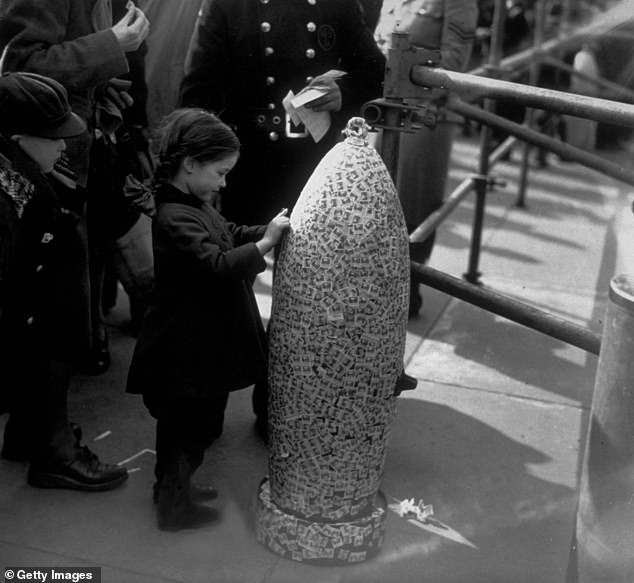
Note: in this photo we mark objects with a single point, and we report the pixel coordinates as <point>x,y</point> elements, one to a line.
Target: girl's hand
<point>274,232</point>
<point>277,227</point>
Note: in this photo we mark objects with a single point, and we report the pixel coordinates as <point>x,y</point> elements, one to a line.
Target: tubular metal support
<point>615,90</point>
<point>565,151</point>
<point>431,223</point>
<point>472,87</point>
<point>603,25</point>
<point>508,308</point>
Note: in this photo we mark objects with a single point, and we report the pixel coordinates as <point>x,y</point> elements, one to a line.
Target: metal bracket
<point>489,180</point>
<point>402,56</point>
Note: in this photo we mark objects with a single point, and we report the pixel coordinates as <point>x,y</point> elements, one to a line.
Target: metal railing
<point>411,75</point>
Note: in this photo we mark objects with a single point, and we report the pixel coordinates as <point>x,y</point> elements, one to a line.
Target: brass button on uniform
<point>265,27</point>
<point>271,106</point>
<point>310,53</point>
<point>264,1</point>
<point>274,136</point>
<point>309,79</point>
<point>312,2</point>
<point>29,320</point>
<point>39,268</point>
<point>268,51</point>
<point>311,27</point>
<point>270,80</point>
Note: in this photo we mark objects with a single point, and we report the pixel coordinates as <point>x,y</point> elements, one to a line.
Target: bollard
<point>605,515</point>
<point>337,339</point>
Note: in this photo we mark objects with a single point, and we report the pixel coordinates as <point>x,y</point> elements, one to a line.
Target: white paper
<point>317,122</point>
<point>306,96</point>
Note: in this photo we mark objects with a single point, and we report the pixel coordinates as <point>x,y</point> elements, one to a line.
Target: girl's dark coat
<point>202,332</point>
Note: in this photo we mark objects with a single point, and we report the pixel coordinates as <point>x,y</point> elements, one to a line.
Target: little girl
<point>202,335</point>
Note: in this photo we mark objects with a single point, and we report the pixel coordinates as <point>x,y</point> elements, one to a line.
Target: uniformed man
<point>246,55</point>
<point>449,27</point>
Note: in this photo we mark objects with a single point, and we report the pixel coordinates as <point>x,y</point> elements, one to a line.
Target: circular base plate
<point>317,542</point>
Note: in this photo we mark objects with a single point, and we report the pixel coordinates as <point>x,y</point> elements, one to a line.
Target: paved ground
<point>491,437</point>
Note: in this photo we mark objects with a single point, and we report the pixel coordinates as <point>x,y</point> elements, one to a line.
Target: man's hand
<point>132,29</point>
<point>331,101</point>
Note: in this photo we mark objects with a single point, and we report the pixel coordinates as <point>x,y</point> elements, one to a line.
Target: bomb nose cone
<point>356,131</point>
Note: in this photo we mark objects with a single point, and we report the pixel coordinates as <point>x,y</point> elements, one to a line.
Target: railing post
<point>605,514</point>
<point>473,275</point>
<point>535,68</point>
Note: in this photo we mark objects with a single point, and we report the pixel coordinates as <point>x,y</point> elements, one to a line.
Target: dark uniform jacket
<point>202,332</point>
<point>245,57</point>
<point>42,305</point>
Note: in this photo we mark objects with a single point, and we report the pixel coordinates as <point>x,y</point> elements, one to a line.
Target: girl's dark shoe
<point>191,516</point>
<point>83,472</point>
<point>196,492</point>
<point>405,382</point>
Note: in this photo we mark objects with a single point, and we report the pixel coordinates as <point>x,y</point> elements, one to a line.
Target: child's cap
<point>38,106</point>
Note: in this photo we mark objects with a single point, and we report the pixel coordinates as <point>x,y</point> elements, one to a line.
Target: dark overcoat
<point>43,307</point>
<point>245,56</point>
<point>202,332</point>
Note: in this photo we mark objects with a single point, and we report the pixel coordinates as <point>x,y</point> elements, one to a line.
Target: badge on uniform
<point>326,37</point>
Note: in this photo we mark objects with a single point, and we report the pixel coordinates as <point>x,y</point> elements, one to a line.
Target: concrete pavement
<point>492,436</point>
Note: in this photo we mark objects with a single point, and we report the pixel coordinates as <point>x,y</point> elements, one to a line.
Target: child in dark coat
<point>43,304</point>
<point>202,335</point>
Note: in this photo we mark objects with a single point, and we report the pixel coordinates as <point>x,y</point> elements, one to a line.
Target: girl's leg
<point>181,441</point>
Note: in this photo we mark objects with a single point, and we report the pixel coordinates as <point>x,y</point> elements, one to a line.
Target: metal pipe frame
<point>495,55</point>
<point>431,223</point>
<point>529,116</point>
<point>477,85</point>
<point>565,151</point>
<point>517,63</point>
<point>615,89</point>
<point>509,308</point>
<point>473,87</point>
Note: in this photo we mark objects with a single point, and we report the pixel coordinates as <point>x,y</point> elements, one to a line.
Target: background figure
<point>172,28</point>
<point>448,25</point>
<point>582,133</point>
<point>516,37</point>
<point>246,56</point>
<point>202,335</point>
<point>41,277</point>
<point>551,123</point>
<point>119,232</point>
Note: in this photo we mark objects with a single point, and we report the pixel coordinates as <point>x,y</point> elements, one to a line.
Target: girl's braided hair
<point>190,132</point>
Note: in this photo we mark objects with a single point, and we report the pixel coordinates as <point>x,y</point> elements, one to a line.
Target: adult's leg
<point>422,178</point>
<point>58,460</point>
